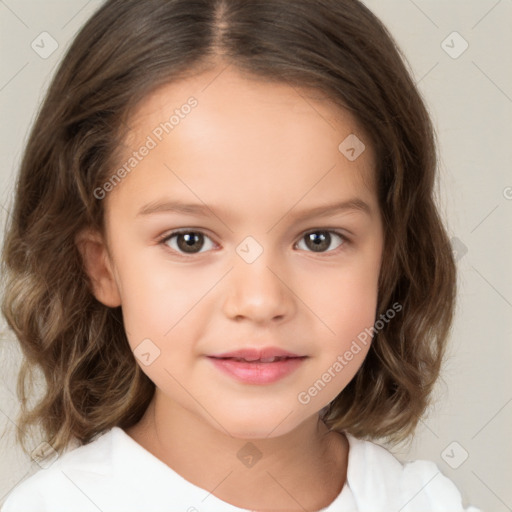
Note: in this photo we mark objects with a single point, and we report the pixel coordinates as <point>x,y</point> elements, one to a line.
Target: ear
<point>98,267</point>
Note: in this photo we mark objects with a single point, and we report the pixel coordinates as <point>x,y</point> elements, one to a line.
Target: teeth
<point>264,360</point>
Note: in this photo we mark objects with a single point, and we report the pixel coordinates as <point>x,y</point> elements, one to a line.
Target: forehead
<point>249,134</point>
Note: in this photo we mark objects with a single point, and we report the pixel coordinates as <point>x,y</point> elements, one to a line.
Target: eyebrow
<point>167,206</point>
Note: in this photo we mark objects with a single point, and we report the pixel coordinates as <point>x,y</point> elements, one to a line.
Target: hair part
<point>123,53</point>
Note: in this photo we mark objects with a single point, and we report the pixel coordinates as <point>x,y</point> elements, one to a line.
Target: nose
<point>259,291</point>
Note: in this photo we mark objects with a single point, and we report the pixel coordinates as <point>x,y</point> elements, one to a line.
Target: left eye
<point>321,239</point>
<point>191,242</point>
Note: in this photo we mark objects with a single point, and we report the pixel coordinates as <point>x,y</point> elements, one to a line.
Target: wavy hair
<point>126,50</point>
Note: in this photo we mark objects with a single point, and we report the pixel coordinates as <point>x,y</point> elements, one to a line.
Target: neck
<point>305,468</point>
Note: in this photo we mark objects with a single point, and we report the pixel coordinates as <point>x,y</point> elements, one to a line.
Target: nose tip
<point>255,291</point>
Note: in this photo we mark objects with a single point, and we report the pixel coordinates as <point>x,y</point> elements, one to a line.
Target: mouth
<point>257,366</point>
<point>262,355</point>
<point>259,361</point>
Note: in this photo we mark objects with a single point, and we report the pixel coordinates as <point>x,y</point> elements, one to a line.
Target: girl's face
<point>258,266</point>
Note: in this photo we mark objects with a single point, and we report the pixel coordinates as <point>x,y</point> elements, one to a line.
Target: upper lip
<point>254,354</point>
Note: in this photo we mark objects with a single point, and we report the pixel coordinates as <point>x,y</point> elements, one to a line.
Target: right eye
<point>185,241</point>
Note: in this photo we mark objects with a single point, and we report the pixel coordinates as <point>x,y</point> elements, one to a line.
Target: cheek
<point>345,297</point>
<point>348,306</point>
<point>164,301</point>
<point>153,295</point>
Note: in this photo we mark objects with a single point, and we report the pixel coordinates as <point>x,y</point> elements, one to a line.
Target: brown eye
<point>186,242</point>
<point>320,240</point>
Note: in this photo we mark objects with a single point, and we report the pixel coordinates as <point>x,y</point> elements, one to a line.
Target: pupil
<point>190,240</point>
<point>320,239</point>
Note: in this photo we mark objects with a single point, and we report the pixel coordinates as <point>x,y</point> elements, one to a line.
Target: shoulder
<point>376,477</point>
<point>65,480</point>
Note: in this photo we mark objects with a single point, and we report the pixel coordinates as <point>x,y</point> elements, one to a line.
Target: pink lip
<point>254,353</point>
<point>257,372</point>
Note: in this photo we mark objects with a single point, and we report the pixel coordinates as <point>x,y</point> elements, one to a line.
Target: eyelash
<point>168,236</point>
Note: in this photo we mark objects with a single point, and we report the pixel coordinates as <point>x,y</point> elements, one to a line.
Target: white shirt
<point>114,473</point>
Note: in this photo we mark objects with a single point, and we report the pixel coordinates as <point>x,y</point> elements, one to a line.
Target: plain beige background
<point>469,93</point>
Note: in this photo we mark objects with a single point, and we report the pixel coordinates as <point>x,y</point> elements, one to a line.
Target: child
<point>288,141</point>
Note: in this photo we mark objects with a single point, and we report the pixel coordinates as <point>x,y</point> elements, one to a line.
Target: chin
<point>260,425</point>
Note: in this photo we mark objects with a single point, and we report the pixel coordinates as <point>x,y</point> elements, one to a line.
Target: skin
<point>256,154</point>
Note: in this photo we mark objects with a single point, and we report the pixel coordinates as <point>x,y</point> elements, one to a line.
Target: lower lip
<point>258,373</point>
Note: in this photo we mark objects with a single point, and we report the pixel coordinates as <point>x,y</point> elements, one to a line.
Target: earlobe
<point>98,267</point>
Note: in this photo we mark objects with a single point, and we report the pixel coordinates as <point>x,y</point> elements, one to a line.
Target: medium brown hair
<point>123,53</point>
